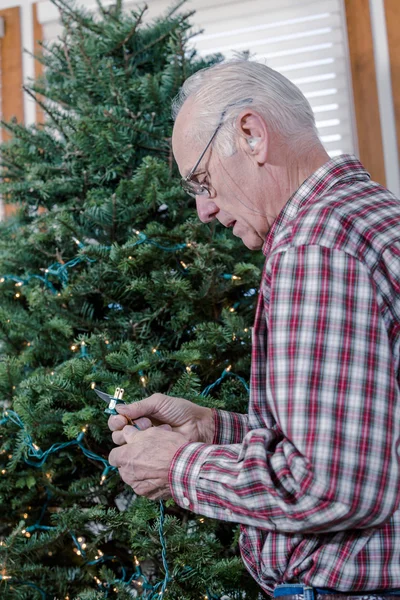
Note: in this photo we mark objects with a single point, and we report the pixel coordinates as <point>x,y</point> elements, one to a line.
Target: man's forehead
<point>184,148</point>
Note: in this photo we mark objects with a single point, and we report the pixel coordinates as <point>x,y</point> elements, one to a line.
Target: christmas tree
<point>108,279</point>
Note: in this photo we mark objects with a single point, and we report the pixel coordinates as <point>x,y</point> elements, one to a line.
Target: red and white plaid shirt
<point>312,473</point>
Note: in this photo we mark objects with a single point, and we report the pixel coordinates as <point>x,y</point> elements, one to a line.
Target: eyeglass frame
<point>188,179</point>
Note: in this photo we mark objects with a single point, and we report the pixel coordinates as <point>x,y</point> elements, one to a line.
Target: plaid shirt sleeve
<point>230,427</point>
<point>326,465</point>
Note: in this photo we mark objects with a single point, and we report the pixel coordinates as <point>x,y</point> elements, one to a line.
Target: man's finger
<point>118,437</point>
<point>129,432</point>
<point>141,408</point>
<point>126,435</point>
<point>117,422</point>
<point>142,423</point>
<point>114,458</point>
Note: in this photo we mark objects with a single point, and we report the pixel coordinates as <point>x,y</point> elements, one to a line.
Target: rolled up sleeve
<point>230,427</point>
<point>331,462</point>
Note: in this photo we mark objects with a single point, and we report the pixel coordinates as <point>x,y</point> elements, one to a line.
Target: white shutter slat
<point>325,71</point>
<point>298,67</point>
<point>281,28</point>
<point>264,13</point>
<point>338,82</point>
<point>297,42</point>
<point>252,27</point>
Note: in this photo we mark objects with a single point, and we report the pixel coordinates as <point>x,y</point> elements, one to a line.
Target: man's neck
<point>297,168</point>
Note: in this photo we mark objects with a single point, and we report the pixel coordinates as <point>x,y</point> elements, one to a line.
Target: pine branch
<point>76,16</point>
<point>46,109</point>
<point>176,7</point>
<point>118,7</point>
<point>182,55</point>
<point>68,226</point>
<point>68,58</point>
<point>155,42</point>
<point>15,346</point>
<point>138,130</point>
<point>38,57</point>
<point>106,13</point>
<point>130,33</point>
<point>10,164</point>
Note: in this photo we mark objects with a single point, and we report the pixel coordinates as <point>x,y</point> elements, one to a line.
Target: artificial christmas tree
<point>108,279</point>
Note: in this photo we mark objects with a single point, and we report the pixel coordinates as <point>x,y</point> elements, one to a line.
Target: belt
<point>297,591</point>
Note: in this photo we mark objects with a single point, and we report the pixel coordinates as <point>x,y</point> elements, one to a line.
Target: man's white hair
<point>239,83</point>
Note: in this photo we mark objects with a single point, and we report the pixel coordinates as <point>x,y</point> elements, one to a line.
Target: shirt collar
<point>337,170</point>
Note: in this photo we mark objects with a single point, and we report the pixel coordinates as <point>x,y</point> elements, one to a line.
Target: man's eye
<point>200,178</point>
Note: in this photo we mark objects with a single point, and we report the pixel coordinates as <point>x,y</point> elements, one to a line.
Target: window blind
<point>305,40</point>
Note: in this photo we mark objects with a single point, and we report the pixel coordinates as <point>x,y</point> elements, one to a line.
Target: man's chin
<point>252,242</point>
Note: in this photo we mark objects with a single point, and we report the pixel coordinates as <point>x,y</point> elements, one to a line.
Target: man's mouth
<point>231,224</point>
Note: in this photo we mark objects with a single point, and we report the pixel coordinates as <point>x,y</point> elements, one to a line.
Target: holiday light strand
<point>226,373</point>
<point>27,583</point>
<point>60,271</point>
<point>40,456</point>
<point>56,269</point>
<point>143,239</point>
<point>35,452</point>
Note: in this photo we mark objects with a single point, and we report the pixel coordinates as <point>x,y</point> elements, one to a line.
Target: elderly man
<point>312,472</point>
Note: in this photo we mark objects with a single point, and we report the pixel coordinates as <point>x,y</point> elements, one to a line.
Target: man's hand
<point>144,459</point>
<point>190,420</point>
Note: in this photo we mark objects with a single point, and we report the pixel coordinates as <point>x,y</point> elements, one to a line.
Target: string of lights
<point>226,373</point>
<point>60,271</point>
<point>41,457</point>
<point>27,583</point>
<point>37,457</point>
<point>56,269</point>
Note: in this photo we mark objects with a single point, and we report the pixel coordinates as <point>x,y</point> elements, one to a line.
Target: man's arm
<point>229,427</point>
<point>331,462</point>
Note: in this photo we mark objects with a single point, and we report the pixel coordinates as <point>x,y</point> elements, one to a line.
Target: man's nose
<point>206,209</point>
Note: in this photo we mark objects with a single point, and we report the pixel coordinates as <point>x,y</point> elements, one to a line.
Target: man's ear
<point>252,141</point>
<point>253,133</point>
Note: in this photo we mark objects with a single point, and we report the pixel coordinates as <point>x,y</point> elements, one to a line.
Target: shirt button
<point>186,501</point>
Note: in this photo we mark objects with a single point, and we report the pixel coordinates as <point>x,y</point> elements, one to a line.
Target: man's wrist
<point>206,426</point>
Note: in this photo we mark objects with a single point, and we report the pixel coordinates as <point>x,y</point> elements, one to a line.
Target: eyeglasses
<point>191,186</point>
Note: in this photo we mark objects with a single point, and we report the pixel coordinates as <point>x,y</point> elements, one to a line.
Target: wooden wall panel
<point>392,13</point>
<point>364,87</point>
<point>37,50</point>
<point>12,103</point>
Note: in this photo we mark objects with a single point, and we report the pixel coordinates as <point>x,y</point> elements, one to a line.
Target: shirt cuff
<point>188,487</point>
<point>230,427</point>
<point>184,471</point>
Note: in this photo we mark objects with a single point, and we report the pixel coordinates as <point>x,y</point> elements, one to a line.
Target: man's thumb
<point>141,408</point>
